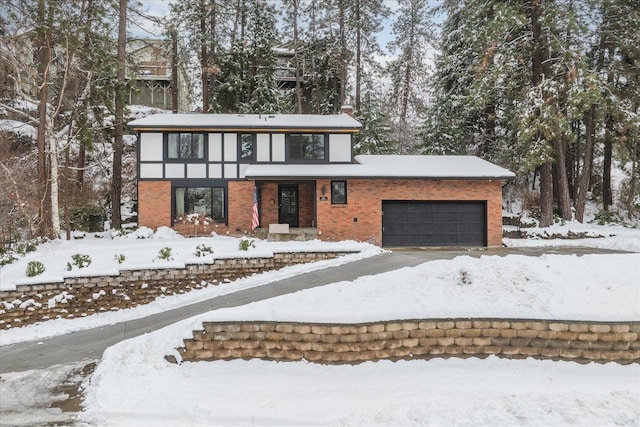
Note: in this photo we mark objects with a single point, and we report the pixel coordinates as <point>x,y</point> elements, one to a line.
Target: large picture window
<point>307,146</point>
<point>185,146</point>
<point>204,201</point>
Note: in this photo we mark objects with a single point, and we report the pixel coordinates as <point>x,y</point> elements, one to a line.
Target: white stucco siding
<point>230,147</point>
<point>174,170</point>
<point>151,146</point>
<point>339,147</point>
<point>215,147</point>
<point>230,170</point>
<point>215,171</point>
<point>277,144</point>
<point>262,149</point>
<point>151,170</point>
<point>196,170</point>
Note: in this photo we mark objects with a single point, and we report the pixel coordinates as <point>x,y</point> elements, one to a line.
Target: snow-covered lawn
<point>436,392</point>
<point>134,384</point>
<point>563,287</point>
<point>132,388</point>
<point>142,253</point>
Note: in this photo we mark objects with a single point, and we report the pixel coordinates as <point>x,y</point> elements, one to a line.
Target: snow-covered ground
<point>130,388</point>
<point>603,237</point>
<point>141,250</point>
<point>134,385</point>
<point>142,253</point>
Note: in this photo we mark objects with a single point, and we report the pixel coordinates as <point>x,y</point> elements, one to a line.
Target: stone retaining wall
<point>415,339</point>
<point>84,296</point>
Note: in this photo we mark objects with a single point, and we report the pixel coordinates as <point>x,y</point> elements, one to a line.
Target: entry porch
<point>288,203</point>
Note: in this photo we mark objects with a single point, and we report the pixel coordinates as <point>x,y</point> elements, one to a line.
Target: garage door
<point>422,223</point>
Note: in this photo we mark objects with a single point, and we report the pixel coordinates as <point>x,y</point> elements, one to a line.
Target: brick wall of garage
<point>365,196</point>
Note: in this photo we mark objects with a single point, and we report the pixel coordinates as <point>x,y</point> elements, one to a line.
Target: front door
<point>288,205</point>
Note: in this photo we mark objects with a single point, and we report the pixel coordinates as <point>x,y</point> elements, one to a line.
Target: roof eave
<point>429,178</point>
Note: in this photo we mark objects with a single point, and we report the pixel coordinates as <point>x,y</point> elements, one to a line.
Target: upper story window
<point>185,146</point>
<point>247,147</point>
<point>307,146</point>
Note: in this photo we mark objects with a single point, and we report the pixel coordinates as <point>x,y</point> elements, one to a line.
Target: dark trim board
<point>434,223</point>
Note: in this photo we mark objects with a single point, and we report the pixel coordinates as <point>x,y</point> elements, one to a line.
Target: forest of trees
<point>547,88</point>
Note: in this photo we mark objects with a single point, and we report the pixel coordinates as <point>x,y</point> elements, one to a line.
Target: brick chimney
<point>347,109</point>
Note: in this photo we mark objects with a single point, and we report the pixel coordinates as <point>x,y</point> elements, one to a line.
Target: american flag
<point>255,222</point>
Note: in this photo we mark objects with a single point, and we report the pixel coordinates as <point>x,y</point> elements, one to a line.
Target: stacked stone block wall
<point>580,341</point>
<point>84,296</point>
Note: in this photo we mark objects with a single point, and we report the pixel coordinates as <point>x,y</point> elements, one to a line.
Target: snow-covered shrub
<point>119,258</point>
<point>166,233</point>
<point>606,217</point>
<point>463,277</point>
<point>25,248</point>
<point>165,254</point>
<point>245,244</point>
<point>79,260</point>
<point>7,258</point>
<point>203,250</point>
<point>88,217</point>
<point>34,268</point>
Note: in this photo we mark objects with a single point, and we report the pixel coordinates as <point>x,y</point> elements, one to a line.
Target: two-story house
<point>200,173</point>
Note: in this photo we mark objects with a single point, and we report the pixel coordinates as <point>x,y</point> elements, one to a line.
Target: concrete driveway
<point>90,344</point>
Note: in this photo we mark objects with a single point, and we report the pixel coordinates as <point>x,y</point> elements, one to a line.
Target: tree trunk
<point>204,60</point>
<point>343,53</point>
<point>562,182</point>
<point>537,67</point>
<point>586,165</point>
<point>43,58</point>
<point>607,196</point>
<point>55,207</point>
<point>174,71</point>
<point>296,57</point>
<point>546,195</point>
<point>116,183</point>
<point>358,57</point>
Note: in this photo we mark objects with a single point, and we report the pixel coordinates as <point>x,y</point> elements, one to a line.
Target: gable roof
<point>387,166</point>
<point>254,122</point>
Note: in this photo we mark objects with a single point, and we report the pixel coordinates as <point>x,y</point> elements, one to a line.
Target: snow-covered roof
<point>387,166</point>
<point>247,121</point>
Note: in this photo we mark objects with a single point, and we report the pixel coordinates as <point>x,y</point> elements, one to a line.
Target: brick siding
<point>154,203</point>
<point>334,222</point>
<point>364,202</point>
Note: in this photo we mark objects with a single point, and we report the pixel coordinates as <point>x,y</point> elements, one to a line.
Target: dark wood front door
<point>288,205</point>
